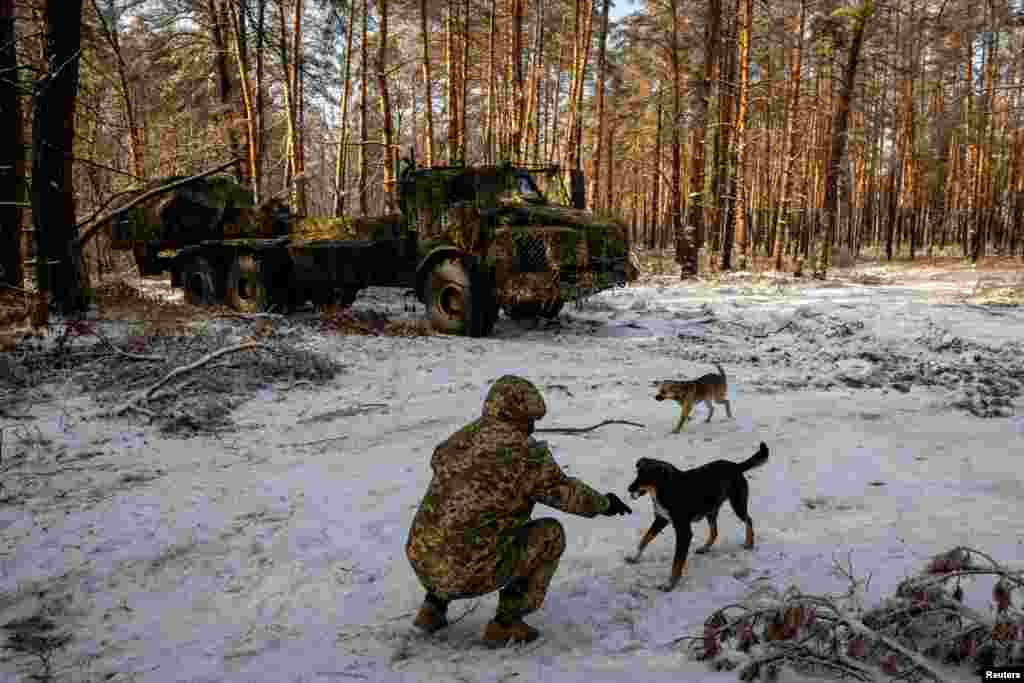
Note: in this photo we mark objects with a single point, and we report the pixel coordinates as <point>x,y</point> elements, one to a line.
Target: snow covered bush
<point>925,623</point>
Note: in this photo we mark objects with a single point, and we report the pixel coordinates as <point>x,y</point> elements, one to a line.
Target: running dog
<point>706,388</point>
<point>685,496</point>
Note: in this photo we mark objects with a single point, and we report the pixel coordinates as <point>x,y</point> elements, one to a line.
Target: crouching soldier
<point>473,534</point>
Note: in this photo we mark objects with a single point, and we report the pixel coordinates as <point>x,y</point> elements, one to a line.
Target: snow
<point>255,555</point>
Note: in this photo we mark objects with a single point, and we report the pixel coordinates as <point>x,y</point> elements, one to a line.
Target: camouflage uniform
<point>473,534</point>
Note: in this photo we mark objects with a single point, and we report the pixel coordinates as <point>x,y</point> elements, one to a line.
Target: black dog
<point>683,497</point>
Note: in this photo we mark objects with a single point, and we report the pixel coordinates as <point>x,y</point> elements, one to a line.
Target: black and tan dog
<point>706,388</point>
<point>685,496</point>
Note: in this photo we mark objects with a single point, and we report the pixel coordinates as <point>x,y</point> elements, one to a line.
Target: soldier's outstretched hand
<point>616,506</point>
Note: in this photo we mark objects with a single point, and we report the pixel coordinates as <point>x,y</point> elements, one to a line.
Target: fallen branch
<point>312,443</point>
<point>125,354</point>
<point>908,637</point>
<point>583,430</point>
<point>758,335</point>
<point>860,628</point>
<point>178,372</point>
<point>768,334</point>
<point>342,412</point>
<point>984,309</point>
<point>249,317</point>
<point>803,655</point>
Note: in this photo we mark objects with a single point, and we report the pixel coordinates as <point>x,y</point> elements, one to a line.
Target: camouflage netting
<point>188,213</point>
<point>542,253</point>
<point>314,228</point>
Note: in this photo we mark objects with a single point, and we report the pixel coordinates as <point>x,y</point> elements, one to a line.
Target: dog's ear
<point>763,450</point>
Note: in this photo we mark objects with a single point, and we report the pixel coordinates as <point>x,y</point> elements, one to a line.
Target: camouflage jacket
<point>487,478</point>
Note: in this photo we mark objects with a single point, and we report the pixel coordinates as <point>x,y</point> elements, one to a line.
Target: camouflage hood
<point>606,236</point>
<point>514,399</point>
<point>518,212</point>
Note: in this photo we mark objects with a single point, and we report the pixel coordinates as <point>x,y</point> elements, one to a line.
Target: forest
<point>818,202</point>
<point>734,134</point>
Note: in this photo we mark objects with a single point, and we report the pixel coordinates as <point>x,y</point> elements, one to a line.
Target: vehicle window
<point>526,187</point>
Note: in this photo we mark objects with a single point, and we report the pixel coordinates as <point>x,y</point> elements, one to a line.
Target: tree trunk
<point>387,135</point>
<point>297,108</point>
<point>225,88</point>
<point>533,119</point>
<point>428,105</point>
<point>656,238</point>
<point>53,136</point>
<point>789,153</point>
<point>725,175</point>
<point>12,155</point>
<point>580,57</point>
<point>453,90</point>
<point>136,148</point>
<point>685,239</point>
<point>518,80</point>
<point>341,162</point>
<point>463,82</point>
<point>602,69</point>
<point>610,176</point>
<point>702,94</point>
<point>840,124</point>
<point>492,83</point>
<point>364,73</point>
<point>744,20</point>
<point>238,24</point>
<point>261,132</point>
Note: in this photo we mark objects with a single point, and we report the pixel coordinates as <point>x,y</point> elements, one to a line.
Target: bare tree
<point>840,125</point>
<point>744,21</point>
<point>428,80</point>
<point>11,153</point>
<point>387,135</point>
<point>699,108</point>
<point>58,256</point>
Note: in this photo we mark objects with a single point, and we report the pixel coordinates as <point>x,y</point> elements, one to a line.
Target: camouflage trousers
<point>523,572</point>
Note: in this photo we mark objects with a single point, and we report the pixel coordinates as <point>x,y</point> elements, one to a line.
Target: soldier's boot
<point>545,543</point>
<point>497,633</point>
<point>432,615</point>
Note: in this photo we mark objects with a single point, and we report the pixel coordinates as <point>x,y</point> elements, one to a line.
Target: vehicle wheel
<point>526,311</point>
<point>447,296</point>
<point>552,310</point>
<point>347,295</point>
<point>244,290</point>
<point>200,281</point>
<point>276,279</point>
<point>484,302</point>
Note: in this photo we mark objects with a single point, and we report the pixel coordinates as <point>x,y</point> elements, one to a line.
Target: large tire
<point>202,282</point>
<point>448,297</point>
<point>276,279</point>
<point>533,310</point>
<point>244,290</point>
<point>484,302</point>
<point>552,310</point>
<point>347,295</point>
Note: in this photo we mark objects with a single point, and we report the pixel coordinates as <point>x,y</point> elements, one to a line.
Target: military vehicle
<point>469,240</point>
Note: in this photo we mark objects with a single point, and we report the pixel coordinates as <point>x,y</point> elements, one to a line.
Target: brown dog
<point>706,388</point>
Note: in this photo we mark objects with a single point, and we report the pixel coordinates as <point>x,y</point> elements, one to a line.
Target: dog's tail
<point>756,460</point>
<point>721,372</point>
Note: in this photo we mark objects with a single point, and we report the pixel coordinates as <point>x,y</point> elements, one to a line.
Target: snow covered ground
<point>275,551</point>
